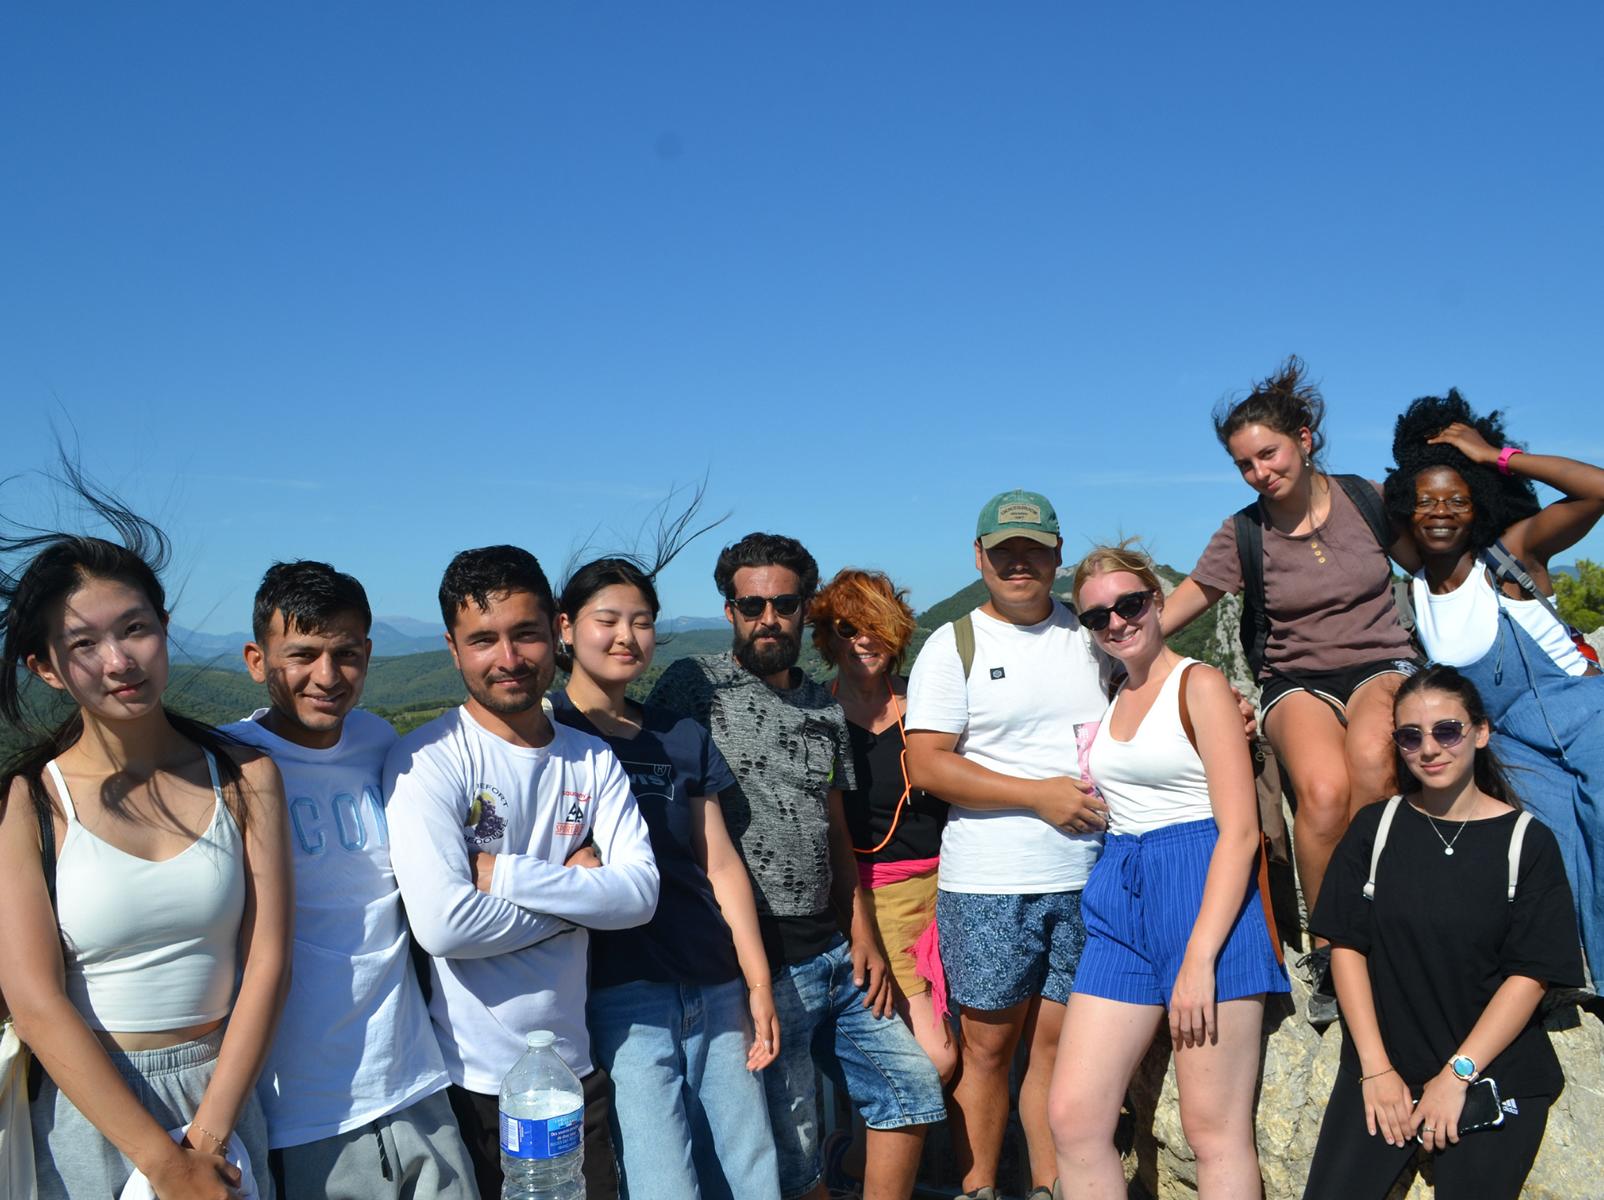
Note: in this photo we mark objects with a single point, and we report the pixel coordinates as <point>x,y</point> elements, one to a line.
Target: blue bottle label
<point>550,1137</point>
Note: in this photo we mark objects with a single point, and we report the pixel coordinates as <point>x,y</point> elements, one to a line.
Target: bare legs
<point>1103,1042</point>
<point>979,1113</point>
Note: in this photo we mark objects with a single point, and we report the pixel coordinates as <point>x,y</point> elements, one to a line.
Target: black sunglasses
<point>751,607</point>
<point>1128,607</point>
<point>1446,734</point>
<point>845,630</point>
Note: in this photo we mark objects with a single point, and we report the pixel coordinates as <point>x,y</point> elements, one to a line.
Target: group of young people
<point>298,954</point>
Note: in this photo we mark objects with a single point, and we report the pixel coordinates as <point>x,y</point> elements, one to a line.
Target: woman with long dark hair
<point>1310,558</point>
<point>1484,603</point>
<point>145,880</point>
<point>681,1009</point>
<point>1449,916</point>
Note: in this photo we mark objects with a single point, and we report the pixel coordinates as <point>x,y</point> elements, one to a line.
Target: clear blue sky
<point>376,283</point>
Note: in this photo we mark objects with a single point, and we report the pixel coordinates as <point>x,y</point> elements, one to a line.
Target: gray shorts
<point>74,1160</point>
<point>414,1153</point>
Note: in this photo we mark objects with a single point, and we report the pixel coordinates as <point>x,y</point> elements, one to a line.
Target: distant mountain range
<point>222,650</point>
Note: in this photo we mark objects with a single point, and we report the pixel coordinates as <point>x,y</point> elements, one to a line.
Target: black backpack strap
<point>1249,530</point>
<point>1364,497</point>
<point>47,850</point>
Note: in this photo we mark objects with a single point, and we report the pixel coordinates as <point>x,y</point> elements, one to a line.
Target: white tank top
<point>151,946</point>
<point>1459,627</point>
<point>1156,778</point>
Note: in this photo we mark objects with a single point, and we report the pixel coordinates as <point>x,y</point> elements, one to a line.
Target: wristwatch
<point>1464,1068</point>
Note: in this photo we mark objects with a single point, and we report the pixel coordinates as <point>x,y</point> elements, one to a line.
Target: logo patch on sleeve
<point>998,673</point>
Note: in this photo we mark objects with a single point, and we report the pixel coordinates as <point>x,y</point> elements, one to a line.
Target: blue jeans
<point>875,1061</point>
<point>688,1118</point>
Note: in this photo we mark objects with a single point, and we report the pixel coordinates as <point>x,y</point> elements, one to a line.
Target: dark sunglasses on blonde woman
<point>1446,734</point>
<point>1128,607</point>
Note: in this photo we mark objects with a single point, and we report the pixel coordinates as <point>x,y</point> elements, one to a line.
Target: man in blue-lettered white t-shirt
<point>354,1086</point>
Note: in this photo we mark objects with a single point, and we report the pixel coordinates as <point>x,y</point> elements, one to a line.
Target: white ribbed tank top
<point>151,945</point>
<point>1155,778</point>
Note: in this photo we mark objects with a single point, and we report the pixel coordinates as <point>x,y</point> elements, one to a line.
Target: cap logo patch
<point>1018,513</point>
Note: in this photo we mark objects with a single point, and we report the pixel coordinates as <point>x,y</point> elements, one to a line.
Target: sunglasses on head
<point>1446,734</point>
<point>1128,607</point>
<point>751,607</point>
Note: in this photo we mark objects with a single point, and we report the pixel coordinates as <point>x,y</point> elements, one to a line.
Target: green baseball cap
<point>1017,514</point>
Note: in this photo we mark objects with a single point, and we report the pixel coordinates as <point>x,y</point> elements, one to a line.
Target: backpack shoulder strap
<point>1186,712</point>
<point>1507,567</point>
<point>1515,840</point>
<point>1250,556</point>
<point>963,637</point>
<point>47,850</point>
<point>1382,830</point>
<point>1369,504</point>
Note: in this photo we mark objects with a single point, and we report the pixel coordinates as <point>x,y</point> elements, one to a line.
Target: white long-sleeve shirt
<point>512,960</point>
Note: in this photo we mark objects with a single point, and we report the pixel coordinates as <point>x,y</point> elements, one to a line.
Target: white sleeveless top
<point>1459,627</point>
<point>150,945</point>
<point>1156,778</point>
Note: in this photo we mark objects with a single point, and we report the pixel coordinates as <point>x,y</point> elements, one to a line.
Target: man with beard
<point>510,836</point>
<point>996,703</point>
<point>785,739</point>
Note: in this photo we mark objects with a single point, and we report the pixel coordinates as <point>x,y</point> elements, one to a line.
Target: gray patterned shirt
<point>788,749</point>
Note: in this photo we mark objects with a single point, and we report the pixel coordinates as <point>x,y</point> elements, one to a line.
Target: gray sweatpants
<point>413,1154</point>
<point>73,1160</point>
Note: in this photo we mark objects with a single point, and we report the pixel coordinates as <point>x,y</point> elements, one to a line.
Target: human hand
<point>869,972</point>
<point>1467,441</point>
<point>1070,804</point>
<point>189,1174</point>
<point>1192,1013</point>
<point>765,1047</point>
<point>1388,1107</point>
<point>1250,716</point>
<point>586,856</point>
<point>483,868</point>
<point>1436,1117</point>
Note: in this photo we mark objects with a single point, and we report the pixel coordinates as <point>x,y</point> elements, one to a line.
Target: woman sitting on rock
<point>1483,603</point>
<point>1174,918</point>
<point>1319,625</point>
<point>1449,915</point>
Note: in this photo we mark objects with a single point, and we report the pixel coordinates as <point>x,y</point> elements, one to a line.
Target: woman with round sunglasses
<point>1333,650</point>
<point>681,1010</point>
<point>1449,917</point>
<point>1483,603</point>
<point>862,626</point>
<point>145,882</point>
<point>1177,929</point>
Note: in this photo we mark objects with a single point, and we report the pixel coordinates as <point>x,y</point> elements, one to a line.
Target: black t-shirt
<point>872,805</point>
<point>797,939</point>
<point>1441,936</point>
<point>670,763</point>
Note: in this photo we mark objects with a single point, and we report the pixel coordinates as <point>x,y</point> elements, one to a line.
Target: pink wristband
<point>1504,455</point>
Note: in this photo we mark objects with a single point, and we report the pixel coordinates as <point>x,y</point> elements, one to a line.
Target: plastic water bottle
<point>542,1126</point>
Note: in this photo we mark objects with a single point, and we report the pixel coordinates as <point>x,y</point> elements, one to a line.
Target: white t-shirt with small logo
<point>353,1043</point>
<point>1029,689</point>
<point>514,959</point>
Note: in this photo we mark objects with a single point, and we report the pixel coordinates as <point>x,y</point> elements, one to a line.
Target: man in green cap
<point>996,702</point>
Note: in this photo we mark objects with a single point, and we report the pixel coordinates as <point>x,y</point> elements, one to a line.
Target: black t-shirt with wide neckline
<point>1441,936</point>
<point>871,806</point>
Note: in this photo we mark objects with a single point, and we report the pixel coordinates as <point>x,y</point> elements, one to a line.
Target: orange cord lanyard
<point>902,761</point>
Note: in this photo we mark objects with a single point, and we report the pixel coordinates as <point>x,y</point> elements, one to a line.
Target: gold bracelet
<point>1377,1075</point>
<point>222,1143</point>
<point>752,987</point>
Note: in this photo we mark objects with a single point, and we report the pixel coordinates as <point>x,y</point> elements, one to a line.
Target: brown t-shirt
<point>1328,593</point>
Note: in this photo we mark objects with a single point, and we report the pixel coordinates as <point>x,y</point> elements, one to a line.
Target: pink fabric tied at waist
<point>927,950</point>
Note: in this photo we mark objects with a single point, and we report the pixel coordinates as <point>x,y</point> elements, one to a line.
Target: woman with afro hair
<point>1464,492</point>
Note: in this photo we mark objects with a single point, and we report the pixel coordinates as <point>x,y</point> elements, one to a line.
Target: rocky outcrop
<point>1299,1066</point>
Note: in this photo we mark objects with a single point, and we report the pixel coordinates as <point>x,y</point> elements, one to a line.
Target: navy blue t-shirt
<point>671,762</point>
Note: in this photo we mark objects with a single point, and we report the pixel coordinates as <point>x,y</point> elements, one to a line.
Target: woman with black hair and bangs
<point>145,882</point>
<point>1483,603</point>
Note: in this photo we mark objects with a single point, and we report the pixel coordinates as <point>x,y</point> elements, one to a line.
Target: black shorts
<point>1336,688</point>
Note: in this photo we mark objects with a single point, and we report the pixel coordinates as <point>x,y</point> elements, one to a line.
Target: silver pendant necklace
<point>1447,846</point>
